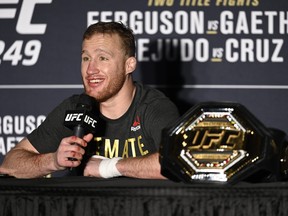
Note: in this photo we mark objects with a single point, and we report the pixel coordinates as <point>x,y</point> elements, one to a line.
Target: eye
<point>85,58</point>
<point>103,58</point>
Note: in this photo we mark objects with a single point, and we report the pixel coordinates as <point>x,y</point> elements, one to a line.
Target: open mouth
<point>95,81</point>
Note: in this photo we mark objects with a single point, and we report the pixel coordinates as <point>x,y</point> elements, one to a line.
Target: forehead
<point>100,40</point>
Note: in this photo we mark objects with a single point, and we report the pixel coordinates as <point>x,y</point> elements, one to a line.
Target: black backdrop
<point>194,51</point>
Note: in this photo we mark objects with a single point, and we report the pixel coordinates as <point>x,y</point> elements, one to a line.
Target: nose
<point>92,67</point>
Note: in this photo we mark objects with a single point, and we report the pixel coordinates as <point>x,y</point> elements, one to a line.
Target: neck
<point>117,106</point>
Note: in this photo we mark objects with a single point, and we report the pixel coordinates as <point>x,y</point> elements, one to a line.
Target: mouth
<point>95,81</point>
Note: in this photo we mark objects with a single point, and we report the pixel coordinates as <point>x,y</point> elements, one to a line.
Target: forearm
<point>25,164</point>
<point>146,167</point>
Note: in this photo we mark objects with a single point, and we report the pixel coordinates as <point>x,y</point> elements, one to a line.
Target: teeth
<point>95,81</point>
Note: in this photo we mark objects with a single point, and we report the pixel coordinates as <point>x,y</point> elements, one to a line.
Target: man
<point>134,116</point>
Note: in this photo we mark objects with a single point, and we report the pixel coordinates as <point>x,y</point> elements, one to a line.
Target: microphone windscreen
<point>86,102</point>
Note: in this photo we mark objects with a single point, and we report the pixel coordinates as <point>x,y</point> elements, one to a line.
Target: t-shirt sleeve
<point>160,114</point>
<point>46,138</point>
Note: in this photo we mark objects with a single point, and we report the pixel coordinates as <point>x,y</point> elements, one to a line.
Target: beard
<point>112,89</point>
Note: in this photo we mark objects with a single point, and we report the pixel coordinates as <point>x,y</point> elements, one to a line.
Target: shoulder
<point>155,101</point>
<point>149,94</point>
<point>69,103</point>
<point>59,111</point>
<point>152,96</point>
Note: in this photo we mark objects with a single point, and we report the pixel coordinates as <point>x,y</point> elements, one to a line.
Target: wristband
<point>108,169</point>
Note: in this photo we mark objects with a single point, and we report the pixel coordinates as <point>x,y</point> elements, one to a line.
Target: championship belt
<point>221,142</point>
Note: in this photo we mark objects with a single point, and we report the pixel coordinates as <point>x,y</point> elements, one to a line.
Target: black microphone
<point>83,119</point>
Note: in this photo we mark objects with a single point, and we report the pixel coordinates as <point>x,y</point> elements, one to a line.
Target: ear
<point>130,65</point>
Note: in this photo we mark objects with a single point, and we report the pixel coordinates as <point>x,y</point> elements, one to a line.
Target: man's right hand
<point>70,151</point>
